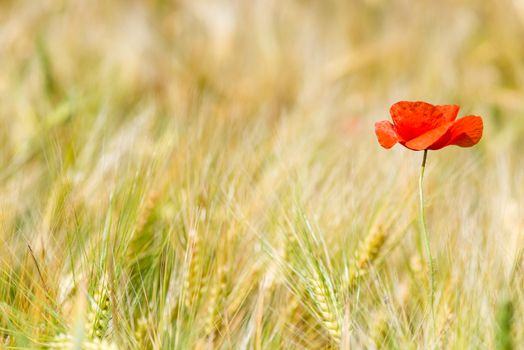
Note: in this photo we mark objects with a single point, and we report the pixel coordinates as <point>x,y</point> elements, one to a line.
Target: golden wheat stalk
<point>365,255</point>
<point>99,316</point>
<point>324,308</point>
<point>193,278</point>
<point>215,300</point>
<point>146,210</point>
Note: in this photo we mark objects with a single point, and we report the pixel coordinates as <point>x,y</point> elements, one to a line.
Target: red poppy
<point>422,126</point>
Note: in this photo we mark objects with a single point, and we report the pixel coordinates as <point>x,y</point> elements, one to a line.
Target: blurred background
<point>162,121</point>
<point>264,57</point>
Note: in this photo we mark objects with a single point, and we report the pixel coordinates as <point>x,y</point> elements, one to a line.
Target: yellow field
<point>205,175</point>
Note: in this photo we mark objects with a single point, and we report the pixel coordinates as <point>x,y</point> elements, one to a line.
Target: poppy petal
<point>386,134</point>
<point>449,112</point>
<point>465,132</point>
<point>429,138</point>
<point>413,119</point>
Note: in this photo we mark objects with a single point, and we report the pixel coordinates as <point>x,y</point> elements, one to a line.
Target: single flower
<point>423,126</point>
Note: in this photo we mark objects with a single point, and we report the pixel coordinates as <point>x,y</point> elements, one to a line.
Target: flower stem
<point>425,237</point>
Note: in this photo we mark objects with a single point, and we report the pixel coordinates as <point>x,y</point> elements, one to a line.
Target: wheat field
<point>201,174</point>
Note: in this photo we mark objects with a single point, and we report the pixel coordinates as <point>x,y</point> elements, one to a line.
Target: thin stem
<point>425,237</point>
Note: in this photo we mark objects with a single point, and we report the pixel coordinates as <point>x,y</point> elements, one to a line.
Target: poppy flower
<point>423,126</point>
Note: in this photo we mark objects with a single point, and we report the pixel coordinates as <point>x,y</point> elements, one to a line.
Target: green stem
<point>425,237</point>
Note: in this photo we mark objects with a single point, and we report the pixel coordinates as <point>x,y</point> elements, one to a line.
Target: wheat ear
<point>365,255</point>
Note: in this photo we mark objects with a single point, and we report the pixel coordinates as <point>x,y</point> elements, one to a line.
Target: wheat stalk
<point>365,255</point>
<point>324,307</point>
<point>192,284</point>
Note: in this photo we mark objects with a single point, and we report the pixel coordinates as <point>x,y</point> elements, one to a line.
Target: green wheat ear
<point>504,338</point>
<point>324,301</point>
